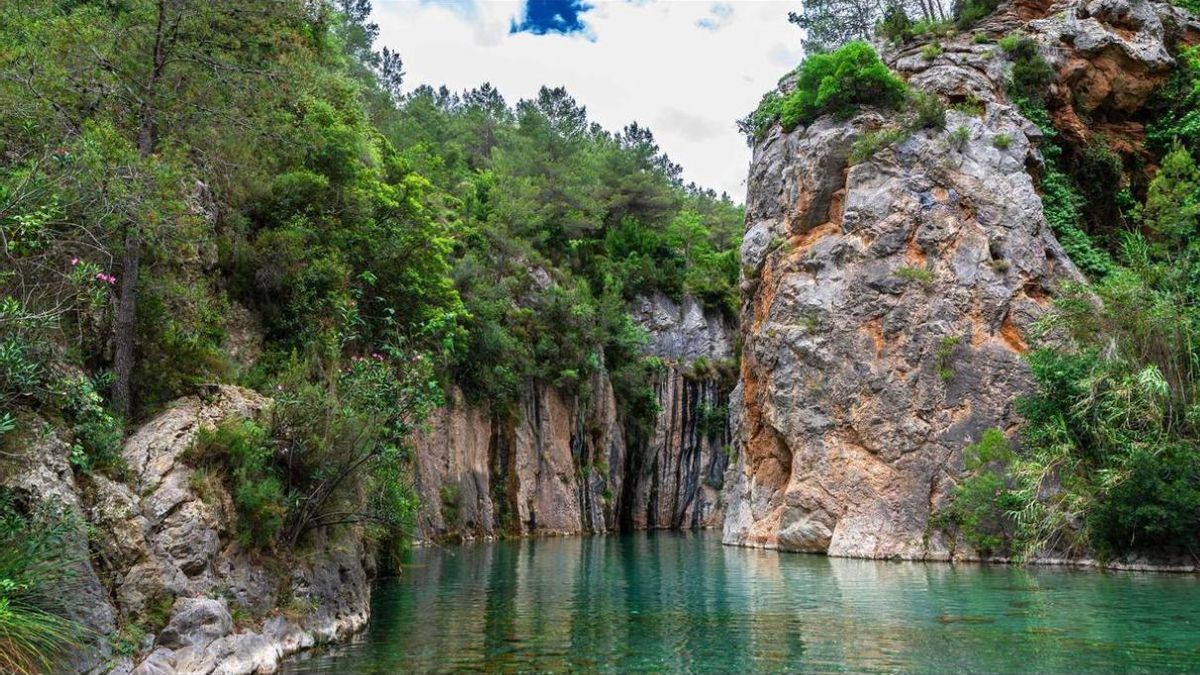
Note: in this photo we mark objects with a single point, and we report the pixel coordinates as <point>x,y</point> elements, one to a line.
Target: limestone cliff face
<point>886,304</point>
<point>163,545</point>
<point>564,466</point>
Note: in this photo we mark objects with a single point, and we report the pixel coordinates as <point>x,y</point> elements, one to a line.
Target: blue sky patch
<point>541,17</point>
<point>721,12</point>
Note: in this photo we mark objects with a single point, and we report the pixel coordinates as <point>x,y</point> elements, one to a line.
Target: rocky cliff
<point>887,303</point>
<point>166,587</point>
<point>567,466</point>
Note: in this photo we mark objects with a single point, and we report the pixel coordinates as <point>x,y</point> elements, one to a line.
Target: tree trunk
<point>126,328</point>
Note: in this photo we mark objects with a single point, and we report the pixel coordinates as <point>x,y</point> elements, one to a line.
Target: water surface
<point>683,602</point>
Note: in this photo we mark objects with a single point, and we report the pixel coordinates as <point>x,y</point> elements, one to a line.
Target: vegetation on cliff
<point>175,177</point>
<point>1108,461</point>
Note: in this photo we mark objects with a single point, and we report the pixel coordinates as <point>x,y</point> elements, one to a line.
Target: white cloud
<point>646,61</point>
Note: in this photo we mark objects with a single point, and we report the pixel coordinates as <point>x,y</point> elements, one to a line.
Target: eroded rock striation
<point>567,466</point>
<point>887,303</point>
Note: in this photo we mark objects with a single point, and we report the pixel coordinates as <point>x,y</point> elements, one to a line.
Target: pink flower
<point>74,262</point>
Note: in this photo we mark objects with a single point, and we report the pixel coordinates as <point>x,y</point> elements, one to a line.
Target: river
<point>673,602</point>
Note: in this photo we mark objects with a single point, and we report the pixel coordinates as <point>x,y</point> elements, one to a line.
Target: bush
<point>1031,75</point>
<point>243,450</point>
<point>929,111</point>
<point>1156,504</point>
<point>97,435</point>
<point>870,143</point>
<point>756,124</point>
<point>931,51</point>
<point>982,503</point>
<point>1002,141</point>
<point>838,83</point>
<point>1061,204</point>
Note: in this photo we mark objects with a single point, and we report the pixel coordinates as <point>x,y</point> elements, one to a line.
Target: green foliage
<point>895,27</point>
<point>755,125</point>
<point>1061,204</point>
<point>36,579</point>
<point>1031,75</point>
<point>968,12</point>
<point>960,137</point>
<point>712,421</point>
<point>834,83</point>
<point>869,144</point>
<point>983,502</point>
<point>97,434</point>
<point>931,51</point>
<point>243,450</point>
<point>451,501</point>
<point>944,355</point>
<point>912,273</point>
<point>928,111</point>
<point>1108,461</point>
<point>1001,141</point>
<point>1174,109</point>
<point>348,445</point>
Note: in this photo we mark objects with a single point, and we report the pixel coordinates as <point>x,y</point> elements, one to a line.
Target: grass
<point>1002,141</point>
<point>944,352</point>
<point>959,138</point>
<point>921,275</point>
<point>36,580</point>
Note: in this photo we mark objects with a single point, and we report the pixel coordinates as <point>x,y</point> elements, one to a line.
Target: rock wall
<point>163,549</point>
<point>887,303</point>
<point>564,466</point>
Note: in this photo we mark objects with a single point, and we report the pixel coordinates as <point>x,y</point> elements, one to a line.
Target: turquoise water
<point>683,602</point>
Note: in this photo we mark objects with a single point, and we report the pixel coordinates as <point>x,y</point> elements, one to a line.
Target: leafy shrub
<point>97,435</point>
<point>944,355</point>
<point>895,27</point>
<point>243,450</point>
<point>928,111</point>
<point>837,83</point>
<point>971,106</point>
<point>1002,141</point>
<point>1061,204</point>
<point>1031,75</point>
<point>983,502</point>
<point>867,145</point>
<point>931,51</point>
<point>756,124</point>
<point>1156,503</point>
<point>712,420</point>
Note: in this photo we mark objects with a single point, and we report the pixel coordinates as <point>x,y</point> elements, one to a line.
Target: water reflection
<point>683,602</point>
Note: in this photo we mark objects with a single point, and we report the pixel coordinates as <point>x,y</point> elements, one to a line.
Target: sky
<point>685,68</point>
